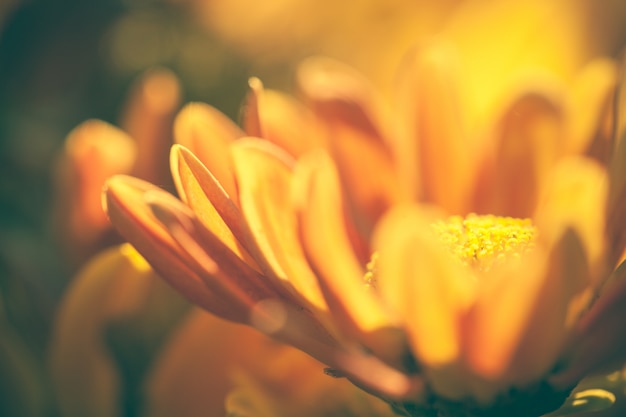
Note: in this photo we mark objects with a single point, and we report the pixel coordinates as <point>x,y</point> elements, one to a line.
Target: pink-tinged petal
<point>208,133</point>
<point>264,175</point>
<point>430,111</point>
<point>346,106</point>
<point>527,142</point>
<point>355,308</point>
<point>574,196</point>
<point>148,118</point>
<point>598,343</point>
<point>280,119</point>
<point>419,279</point>
<point>525,310</point>
<point>124,200</point>
<point>199,189</point>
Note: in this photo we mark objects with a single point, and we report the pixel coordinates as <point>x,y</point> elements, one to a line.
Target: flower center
<point>484,241</point>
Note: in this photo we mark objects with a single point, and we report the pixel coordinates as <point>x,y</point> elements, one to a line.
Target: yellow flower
<point>437,264</point>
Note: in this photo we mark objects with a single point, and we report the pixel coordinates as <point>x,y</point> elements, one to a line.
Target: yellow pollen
<point>483,241</point>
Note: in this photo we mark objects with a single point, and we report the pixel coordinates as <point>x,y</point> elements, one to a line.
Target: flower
<point>439,265</point>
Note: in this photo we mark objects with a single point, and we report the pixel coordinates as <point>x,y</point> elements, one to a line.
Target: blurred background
<point>65,61</point>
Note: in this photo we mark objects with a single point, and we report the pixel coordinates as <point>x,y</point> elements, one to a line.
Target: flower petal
<point>574,196</point>
<point>420,280</point>
<point>148,119</point>
<point>280,119</point>
<point>527,142</point>
<point>133,218</point>
<point>430,108</point>
<point>525,310</point>
<point>264,175</point>
<point>356,310</point>
<point>207,133</point>
<point>346,105</point>
<point>199,189</point>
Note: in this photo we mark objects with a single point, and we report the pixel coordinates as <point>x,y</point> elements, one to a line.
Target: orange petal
<point>199,189</point>
<point>130,214</point>
<point>280,119</point>
<point>420,280</point>
<point>207,133</point>
<point>93,152</point>
<point>525,310</point>
<point>527,143</point>
<point>355,309</point>
<point>574,196</point>
<point>264,176</point>
<point>345,103</point>
<point>148,118</point>
<point>194,372</point>
<point>591,97</point>
<point>432,113</point>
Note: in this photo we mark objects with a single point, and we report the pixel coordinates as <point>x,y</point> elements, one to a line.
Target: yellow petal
<point>525,310</point>
<point>556,308</point>
<point>207,133</point>
<point>527,142</point>
<point>421,281</point>
<point>280,119</point>
<point>346,105</point>
<point>355,309</point>
<point>433,116</point>
<point>574,196</point>
<point>148,118</point>
<point>264,176</point>
<point>133,218</point>
<point>85,375</point>
<point>196,369</point>
<point>591,96</point>
<point>199,189</point>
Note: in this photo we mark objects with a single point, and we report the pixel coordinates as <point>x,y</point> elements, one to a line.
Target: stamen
<point>483,241</point>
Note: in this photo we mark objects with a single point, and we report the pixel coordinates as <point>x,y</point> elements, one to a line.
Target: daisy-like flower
<point>446,268</point>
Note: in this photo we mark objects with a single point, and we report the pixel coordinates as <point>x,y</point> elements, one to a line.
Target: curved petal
<point>148,118</point>
<point>528,140</point>
<point>356,310</point>
<point>264,175</point>
<point>525,309</point>
<point>281,119</point>
<point>199,189</point>
<point>132,216</point>
<point>345,103</point>
<point>590,99</point>
<point>574,196</point>
<point>115,286</point>
<point>420,280</point>
<point>435,132</point>
<point>207,133</point>
<point>196,368</point>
